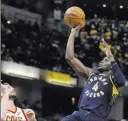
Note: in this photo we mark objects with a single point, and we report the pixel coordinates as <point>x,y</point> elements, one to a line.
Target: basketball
<point>73,16</point>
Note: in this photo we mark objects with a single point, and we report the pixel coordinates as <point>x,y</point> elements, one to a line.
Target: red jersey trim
<point>24,114</point>
<point>13,111</point>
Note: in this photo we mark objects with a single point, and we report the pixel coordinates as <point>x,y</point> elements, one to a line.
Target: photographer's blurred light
<point>8,22</point>
<point>121,6</point>
<point>104,5</point>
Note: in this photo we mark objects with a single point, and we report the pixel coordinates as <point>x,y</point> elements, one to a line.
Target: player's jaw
<point>104,65</point>
<point>12,95</point>
<point>13,92</point>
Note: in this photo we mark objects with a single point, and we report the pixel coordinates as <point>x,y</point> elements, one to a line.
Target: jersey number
<point>95,87</point>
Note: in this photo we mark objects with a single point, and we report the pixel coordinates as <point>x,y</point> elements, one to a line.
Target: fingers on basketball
<point>81,25</point>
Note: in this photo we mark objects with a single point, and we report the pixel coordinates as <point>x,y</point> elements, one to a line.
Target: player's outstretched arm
<point>5,92</point>
<point>73,61</point>
<point>118,75</point>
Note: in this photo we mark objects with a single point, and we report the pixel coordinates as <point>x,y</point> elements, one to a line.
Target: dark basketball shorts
<point>83,116</point>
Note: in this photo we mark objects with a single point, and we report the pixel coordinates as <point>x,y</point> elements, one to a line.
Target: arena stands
<point>22,4</point>
<point>35,6</point>
<point>37,107</point>
<point>43,46</point>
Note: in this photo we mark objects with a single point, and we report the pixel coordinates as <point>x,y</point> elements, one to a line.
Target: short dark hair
<point>5,83</point>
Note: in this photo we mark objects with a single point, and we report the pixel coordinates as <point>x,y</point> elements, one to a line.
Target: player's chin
<point>12,97</point>
<point>100,68</point>
<point>13,94</point>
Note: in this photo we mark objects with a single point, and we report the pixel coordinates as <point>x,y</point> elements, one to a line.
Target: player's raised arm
<point>117,73</point>
<point>4,101</point>
<point>73,61</point>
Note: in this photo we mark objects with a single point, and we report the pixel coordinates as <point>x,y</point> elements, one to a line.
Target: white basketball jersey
<point>18,115</point>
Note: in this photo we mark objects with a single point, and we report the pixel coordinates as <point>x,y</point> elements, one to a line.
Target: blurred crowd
<point>30,5</point>
<point>115,34</point>
<point>41,47</point>
<point>38,109</point>
<point>44,48</point>
<point>34,6</point>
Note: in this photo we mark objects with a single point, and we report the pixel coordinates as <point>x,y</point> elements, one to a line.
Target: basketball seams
<point>72,18</point>
<point>77,17</point>
<point>65,16</point>
<point>78,12</point>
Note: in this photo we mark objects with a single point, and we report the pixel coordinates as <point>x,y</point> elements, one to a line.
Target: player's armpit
<point>79,67</point>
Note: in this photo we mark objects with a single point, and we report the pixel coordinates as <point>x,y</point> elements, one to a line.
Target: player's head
<point>13,93</point>
<point>104,65</point>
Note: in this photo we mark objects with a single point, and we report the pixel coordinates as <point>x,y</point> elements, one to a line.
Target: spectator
<point>19,39</point>
<point>25,104</point>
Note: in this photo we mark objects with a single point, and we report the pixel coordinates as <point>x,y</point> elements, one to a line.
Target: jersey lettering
<point>98,95</point>
<point>17,116</point>
<point>96,90</point>
<point>13,118</point>
<point>95,87</point>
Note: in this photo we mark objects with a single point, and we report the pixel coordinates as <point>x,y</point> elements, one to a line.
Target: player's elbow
<point>68,58</point>
<point>121,83</point>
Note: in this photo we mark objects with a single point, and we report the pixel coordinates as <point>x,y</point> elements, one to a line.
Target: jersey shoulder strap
<point>24,114</point>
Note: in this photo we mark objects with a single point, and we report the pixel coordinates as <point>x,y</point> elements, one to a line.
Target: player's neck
<point>11,106</point>
<point>107,72</point>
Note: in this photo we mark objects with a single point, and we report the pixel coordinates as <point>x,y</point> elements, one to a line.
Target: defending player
<point>9,112</point>
<point>102,85</point>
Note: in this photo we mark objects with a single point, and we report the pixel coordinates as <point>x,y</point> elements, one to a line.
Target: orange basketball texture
<point>73,16</point>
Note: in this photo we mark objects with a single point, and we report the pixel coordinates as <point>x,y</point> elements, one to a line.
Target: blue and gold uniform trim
<point>115,91</point>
